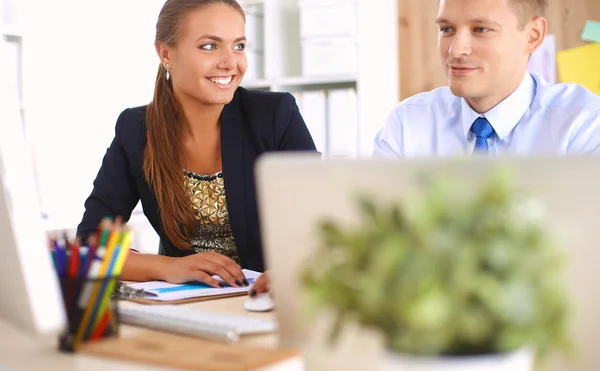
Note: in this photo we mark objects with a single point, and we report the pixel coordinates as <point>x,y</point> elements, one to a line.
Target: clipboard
<point>196,295</point>
<point>150,301</point>
<point>187,353</point>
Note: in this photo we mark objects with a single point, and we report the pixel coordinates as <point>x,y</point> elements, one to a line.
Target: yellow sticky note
<point>581,65</point>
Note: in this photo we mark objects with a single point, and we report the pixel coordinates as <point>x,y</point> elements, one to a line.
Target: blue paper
<point>191,286</point>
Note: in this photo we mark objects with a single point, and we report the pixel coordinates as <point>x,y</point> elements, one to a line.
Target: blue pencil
<point>61,259</point>
<point>98,299</point>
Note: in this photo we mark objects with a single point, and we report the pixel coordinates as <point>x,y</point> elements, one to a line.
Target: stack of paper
<point>171,292</point>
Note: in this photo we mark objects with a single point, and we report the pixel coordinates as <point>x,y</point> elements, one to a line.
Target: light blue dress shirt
<point>537,118</point>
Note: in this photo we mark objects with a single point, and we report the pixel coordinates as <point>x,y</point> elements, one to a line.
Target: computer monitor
<point>29,290</point>
<point>296,191</point>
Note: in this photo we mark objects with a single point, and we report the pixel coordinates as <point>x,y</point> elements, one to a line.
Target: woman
<point>189,155</point>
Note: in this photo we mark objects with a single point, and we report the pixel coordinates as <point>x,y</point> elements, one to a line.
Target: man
<point>492,105</point>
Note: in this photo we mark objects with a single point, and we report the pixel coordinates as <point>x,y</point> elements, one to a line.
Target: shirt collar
<point>505,115</point>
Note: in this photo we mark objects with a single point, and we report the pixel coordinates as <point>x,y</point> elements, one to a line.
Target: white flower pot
<point>521,360</point>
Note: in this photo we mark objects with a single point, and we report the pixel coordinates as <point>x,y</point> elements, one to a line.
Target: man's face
<point>483,47</point>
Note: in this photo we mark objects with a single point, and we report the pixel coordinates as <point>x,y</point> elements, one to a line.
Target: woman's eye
<point>208,47</point>
<point>240,47</point>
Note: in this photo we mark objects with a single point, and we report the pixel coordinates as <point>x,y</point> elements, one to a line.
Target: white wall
<point>84,62</point>
<point>378,57</point>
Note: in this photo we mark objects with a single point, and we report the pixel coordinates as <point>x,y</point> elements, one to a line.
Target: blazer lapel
<point>232,155</point>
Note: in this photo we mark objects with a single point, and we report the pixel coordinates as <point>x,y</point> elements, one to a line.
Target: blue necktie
<point>483,130</point>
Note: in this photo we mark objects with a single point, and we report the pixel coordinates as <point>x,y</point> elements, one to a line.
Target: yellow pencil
<point>119,268</point>
<point>121,254</point>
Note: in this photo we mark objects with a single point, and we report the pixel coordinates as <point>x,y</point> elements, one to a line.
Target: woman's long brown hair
<point>163,165</point>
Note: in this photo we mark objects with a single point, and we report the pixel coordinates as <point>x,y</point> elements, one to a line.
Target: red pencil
<point>102,325</point>
<point>75,260</point>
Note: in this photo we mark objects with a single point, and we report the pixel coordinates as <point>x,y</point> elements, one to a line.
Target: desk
<point>23,352</point>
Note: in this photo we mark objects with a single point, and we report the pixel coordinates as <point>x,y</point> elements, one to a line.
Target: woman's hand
<point>202,266</point>
<point>261,285</point>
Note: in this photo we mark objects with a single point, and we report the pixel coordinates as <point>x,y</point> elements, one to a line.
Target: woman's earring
<point>168,74</point>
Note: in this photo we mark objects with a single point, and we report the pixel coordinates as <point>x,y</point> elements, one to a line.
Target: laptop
<point>29,290</point>
<point>295,191</point>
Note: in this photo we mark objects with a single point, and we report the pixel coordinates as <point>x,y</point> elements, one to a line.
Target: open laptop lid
<point>296,191</point>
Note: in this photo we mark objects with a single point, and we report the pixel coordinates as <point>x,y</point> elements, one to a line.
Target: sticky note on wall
<point>591,32</point>
<point>580,65</point>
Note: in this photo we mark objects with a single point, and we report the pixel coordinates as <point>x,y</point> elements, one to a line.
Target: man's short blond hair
<point>529,9</point>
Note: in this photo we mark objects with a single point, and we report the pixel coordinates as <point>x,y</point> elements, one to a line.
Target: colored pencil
<point>89,275</point>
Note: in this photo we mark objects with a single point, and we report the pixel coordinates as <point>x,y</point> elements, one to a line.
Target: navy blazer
<point>254,122</point>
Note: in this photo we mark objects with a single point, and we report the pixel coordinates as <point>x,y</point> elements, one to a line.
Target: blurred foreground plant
<point>455,270</point>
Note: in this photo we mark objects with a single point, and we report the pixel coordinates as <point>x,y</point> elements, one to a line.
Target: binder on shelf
<point>312,105</point>
<point>342,120</point>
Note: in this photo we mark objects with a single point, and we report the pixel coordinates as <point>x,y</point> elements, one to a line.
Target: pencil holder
<point>91,309</point>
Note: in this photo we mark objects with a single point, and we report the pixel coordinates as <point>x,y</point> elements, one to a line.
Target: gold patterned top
<point>213,232</point>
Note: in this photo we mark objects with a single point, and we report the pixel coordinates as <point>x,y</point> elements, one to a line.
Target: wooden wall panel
<point>420,65</point>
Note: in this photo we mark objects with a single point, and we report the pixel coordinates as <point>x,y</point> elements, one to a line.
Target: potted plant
<point>456,277</point>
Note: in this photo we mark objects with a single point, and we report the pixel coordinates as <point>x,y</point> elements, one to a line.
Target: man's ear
<point>163,53</point>
<point>536,33</point>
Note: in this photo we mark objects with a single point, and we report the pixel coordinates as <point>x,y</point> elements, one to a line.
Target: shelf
<point>256,84</point>
<point>11,30</point>
<point>302,82</point>
<point>317,80</point>
<point>245,3</point>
